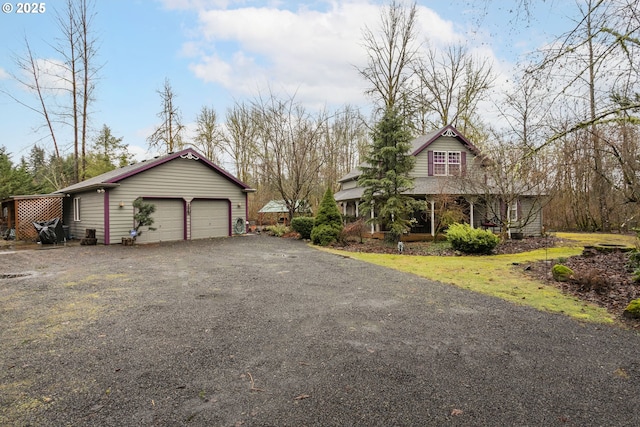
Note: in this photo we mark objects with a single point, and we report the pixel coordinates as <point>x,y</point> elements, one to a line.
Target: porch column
<point>373,215</point>
<point>471,214</point>
<point>357,208</point>
<point>433,218</point>
<point>344,208</point>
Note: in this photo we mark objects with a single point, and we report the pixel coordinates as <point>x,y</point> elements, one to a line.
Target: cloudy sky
<point>217,52</point>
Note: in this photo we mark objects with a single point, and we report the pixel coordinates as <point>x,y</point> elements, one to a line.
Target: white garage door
<point>209,218</point>
<point>168,222</point>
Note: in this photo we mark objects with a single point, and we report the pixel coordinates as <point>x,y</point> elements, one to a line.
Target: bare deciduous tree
<point>391,52</point>
<point>208,136</point>
<point>30,67</point>
<point>168,135</point>
<point>589,64</point>
<point>290,148</point>
<point>450,85</point>
<point>512,184</point>
<point>73,74</point>
<point>239,139</point>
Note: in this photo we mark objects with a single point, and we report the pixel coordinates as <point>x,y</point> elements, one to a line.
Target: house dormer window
<point>446,163</point>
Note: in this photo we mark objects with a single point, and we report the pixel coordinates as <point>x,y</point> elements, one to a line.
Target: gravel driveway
<point>260,331</point>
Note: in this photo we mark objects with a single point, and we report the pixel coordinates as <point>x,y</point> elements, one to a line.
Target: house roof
<point>32,196</point>
<point>420,143</point>
<point>112,178</point>
<point>280,206</point>
<point>432,186</point>
<point>422,186</point>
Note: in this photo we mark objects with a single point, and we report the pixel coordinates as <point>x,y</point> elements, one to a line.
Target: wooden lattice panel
<point>35,210</point>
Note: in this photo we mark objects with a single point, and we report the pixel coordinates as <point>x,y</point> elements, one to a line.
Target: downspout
<point>107,220</point>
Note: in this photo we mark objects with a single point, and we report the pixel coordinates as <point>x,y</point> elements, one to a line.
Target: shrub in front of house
<point>277,230</point>
<point>324,234</point>
<point>470,240</point>
<point>328,223</point>
<point>353,230</point>
<point>303,225</point>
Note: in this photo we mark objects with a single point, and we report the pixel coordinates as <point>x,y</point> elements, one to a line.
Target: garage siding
<point>184,179</point>
<point>91,214</point>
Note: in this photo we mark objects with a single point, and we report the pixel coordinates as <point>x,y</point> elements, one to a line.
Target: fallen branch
<point>253,384</point>
<point>302,396</point>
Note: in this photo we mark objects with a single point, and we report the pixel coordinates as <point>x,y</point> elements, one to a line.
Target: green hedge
<point>469,240</point>
<point>324,234</point>
<point>303,225</point>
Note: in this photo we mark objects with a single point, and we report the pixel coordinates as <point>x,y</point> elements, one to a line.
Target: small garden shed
<point>193,197</point>
<point>276,211</point>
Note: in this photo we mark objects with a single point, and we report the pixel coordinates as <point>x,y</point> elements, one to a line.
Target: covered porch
<point>429,222</point>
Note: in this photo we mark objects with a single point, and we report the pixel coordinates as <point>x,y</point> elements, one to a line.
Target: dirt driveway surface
<point>260,331</point>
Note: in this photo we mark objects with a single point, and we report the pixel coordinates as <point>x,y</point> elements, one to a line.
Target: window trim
<point>446,162</point>
<point>513,212</point>
<point>76,209</point>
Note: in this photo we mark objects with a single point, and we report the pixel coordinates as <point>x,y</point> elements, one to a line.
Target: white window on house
<point>513,212</point>
<point>453,162</point>
<point>76,209</point>
<point>446,162</point>
<point>439,162</point>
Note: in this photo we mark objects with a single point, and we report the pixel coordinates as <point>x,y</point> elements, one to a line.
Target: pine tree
<point>386,174</point>
<point>328,222</point>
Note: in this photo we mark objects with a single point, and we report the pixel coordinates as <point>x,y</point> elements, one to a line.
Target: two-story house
<point>444,162</point>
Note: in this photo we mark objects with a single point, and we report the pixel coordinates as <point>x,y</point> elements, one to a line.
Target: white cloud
<point>3,74</point>
<point>313,53</point>
<point>53,77</point>
<point>307,52</point>
<point>310,49</point>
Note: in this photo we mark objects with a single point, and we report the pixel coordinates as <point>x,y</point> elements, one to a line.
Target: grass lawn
<point>502,276</point>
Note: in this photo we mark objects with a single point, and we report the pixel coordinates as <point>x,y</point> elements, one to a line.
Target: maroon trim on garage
<point>186,152</point>
<point>229,210</point>
<point>106,216</point>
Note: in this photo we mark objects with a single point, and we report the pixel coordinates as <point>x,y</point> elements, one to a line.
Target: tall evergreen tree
<point>386,174</point>
<point>14,180</point>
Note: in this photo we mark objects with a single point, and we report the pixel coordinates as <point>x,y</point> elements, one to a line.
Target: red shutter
<point>430,162</point>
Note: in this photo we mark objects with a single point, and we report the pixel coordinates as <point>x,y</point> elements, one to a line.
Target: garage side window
<point>76,208</point>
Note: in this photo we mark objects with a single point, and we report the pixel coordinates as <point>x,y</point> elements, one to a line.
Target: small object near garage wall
<point>23,211</point>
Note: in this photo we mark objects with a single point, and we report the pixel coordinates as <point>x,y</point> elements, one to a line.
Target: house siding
<point>444,143</point>
<point>349,184</point>
<point>179,178</point>
<point>534,225</point>
<point>91,214</point>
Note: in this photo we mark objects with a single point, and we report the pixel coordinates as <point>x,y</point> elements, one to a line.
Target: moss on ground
<point>495,275</point>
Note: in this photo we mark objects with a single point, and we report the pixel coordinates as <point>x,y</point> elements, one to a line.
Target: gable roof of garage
<point>112,178</point>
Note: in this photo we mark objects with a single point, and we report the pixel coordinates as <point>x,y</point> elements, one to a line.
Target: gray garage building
<point>194,199</point>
